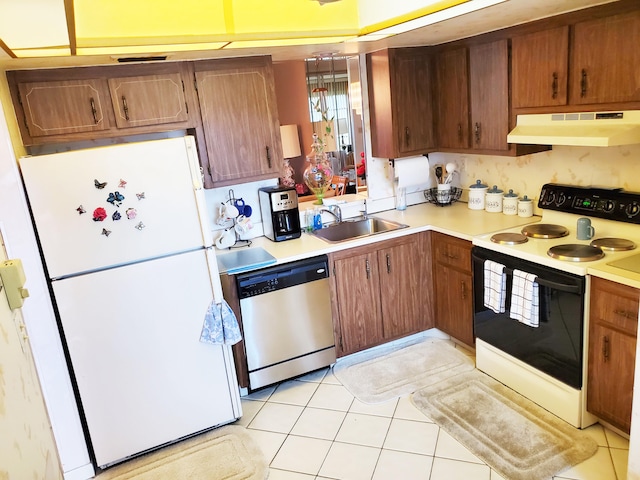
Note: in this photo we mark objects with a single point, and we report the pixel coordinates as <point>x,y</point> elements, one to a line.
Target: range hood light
<point>587,129</point>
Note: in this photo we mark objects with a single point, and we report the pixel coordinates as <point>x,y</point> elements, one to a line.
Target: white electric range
<point>547,363</point>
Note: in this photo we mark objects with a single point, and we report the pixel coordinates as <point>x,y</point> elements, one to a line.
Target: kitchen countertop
<point>456,220</point>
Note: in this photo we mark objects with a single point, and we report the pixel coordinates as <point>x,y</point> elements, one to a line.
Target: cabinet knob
<point>554,86</point>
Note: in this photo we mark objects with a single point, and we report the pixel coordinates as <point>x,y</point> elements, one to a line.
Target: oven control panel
<point>609,203</point>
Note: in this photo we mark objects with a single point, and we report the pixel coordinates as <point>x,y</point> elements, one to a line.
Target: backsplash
<point>598,166</point>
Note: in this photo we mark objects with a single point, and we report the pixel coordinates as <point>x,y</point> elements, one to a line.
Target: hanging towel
<point>495,286</point>
<point>220,325</point>
<point>525,301</point>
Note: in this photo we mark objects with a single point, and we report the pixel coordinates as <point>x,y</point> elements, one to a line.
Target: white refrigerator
<point>127,248</point>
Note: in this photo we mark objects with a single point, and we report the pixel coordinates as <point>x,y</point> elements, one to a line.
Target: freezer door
<point>143,376</point>
<point>147,194</point>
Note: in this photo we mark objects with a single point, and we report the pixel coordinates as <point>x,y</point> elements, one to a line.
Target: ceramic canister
<point>525,207</point>
<point>477,193</point>
<point>510,203</point>
<point>493,200</point>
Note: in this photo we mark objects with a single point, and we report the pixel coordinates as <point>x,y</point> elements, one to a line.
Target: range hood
<point>588,129</point>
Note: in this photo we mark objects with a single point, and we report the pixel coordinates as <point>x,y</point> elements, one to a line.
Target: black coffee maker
<point>280,214</point>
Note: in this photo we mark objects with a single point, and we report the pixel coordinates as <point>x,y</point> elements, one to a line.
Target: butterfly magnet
<point>115,198</point>
<point>99,185</point>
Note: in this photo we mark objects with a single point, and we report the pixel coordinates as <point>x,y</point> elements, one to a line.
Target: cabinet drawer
<point>615,304</point>
<point>452,251</point>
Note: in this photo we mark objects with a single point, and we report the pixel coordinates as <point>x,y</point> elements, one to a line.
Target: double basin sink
<point>352,229</point>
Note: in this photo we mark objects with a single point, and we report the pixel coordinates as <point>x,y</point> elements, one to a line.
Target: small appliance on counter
<point>280,214</point>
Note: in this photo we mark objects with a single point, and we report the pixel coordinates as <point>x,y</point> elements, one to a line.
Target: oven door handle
<point>545,283</point>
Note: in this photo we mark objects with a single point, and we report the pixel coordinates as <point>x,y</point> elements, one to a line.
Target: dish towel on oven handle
<point>220,325</point>
<point>525,300</point>
<point>495,286</point>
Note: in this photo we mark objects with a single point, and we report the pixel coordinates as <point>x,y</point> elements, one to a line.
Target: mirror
<point>335,110</point>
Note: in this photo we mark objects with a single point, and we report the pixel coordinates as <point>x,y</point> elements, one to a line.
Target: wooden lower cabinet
<point>612,346</point>
<point>379,292</point>
<point>452,280</point>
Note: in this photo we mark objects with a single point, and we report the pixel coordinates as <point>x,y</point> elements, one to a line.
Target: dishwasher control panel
<point>270,279</point>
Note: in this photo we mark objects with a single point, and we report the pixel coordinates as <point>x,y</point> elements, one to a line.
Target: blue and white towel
<point>525,301</point>
<point>495,286</point>
<point>220,325</point>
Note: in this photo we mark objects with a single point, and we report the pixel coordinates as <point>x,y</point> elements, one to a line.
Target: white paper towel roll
<point>412,173</point>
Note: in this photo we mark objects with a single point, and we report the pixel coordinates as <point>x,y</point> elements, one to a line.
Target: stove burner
<point>613,244</point>
<point>509,238</point>
<point>575,252</point>
<point>545,230</point>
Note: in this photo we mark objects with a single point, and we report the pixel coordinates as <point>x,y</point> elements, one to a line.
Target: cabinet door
<point>401,297</point>
<point>452,99</point>
<point>240,122</point>
<point>148,100</point>
<point>605,59</point>
<point>539,68</point>
<point>68,106</point>
<point>454,303</point>
<point>611,371</point>
<point>489,91</point>
<point>413,109</point>
<point>357,291</point>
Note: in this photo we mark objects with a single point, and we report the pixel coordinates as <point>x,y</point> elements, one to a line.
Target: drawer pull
<point>125,107</point>
<point>625,314</point>
<point>464,290</point>
<point>605,348</point>
<point>368,268</point>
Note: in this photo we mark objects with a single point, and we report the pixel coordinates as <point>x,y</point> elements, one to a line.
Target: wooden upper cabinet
<point>400,102</point>
<point>489,93</point>
<point>605,59</point>
<point>148,100</point>
<point>539,68</point>
<point>452,98</point>
<point>239,119</point>
<point>64,107</point>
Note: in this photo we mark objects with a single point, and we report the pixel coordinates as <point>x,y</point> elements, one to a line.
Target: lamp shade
<point>290,141</point>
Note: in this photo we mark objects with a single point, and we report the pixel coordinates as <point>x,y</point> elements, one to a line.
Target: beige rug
<point>226,453</point>
<point>511,434</point>
<point>379,375</point>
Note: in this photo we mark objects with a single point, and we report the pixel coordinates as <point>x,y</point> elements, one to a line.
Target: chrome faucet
<point>333,210</point>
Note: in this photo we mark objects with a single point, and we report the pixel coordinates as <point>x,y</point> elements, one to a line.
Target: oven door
<point>556,345</point>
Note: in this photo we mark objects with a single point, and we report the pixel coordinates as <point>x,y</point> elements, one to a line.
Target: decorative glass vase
<point>318,174</point>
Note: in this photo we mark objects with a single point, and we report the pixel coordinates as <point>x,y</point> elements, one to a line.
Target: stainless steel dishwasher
<point>286,317</point>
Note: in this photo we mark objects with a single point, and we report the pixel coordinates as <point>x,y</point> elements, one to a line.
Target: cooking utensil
<point>451,169</point>
<point>439,173</point>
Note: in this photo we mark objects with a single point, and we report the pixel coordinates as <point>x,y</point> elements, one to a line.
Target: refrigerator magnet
<point>115,198</point>
<point>131,213</point>
<point>80,210</point>
<point>140,195</point>
<point>122,184</point>
<point>140,226</point>
<point>99,185</point>
<point>99,214</point>
<point>116,216</point>
<point>106,232</point>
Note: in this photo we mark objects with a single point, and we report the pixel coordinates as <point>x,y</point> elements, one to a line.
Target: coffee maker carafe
<point>280,215</point>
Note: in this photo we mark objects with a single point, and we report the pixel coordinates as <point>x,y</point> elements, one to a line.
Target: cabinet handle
<point>268,156</point>
<point>583,83</point>
<point>93,110</point>
<point>476,131</point>
<point>605,348</point>
<point>388,263</point>
<point>463,289</point>
<point>460,132</point>
<point>125,107</point>
<point>625,313</point>
<point>451,256</point>
<point>407,136</point>
<point>368,268</point>
<point>554,86</point>
<point>186,105</point>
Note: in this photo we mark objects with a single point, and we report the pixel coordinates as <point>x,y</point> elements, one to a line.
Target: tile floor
<point>313,428</point>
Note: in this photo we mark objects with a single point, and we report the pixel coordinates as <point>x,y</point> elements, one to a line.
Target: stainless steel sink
<point>362,227</point>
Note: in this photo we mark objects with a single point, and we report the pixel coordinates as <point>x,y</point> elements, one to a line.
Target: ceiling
<point>92,32</point>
